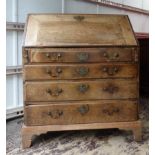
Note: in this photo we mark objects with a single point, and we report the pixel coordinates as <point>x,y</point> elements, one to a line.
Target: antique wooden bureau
<point>80,72</point>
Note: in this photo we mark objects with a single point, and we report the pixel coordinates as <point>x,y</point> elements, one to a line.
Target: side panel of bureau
<point>79,71</point>
<point>81,112</point>
<point>81,90</point>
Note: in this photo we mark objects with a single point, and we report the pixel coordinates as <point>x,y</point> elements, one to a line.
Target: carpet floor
<point>87,142</point>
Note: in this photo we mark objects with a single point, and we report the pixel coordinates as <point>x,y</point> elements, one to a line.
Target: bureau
<point>80,72</point>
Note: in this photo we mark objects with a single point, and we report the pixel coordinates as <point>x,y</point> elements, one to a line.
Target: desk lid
<point>62,30</point>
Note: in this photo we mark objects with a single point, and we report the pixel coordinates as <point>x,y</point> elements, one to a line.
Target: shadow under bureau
<point>80,72</point>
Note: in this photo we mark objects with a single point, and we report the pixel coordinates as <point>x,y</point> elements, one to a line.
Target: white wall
<point>17,11</point>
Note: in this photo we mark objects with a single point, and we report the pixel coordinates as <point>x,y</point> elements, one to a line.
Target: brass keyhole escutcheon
<point>83,88</point>
<point>82,71</point>
<point>82,57</point>
<point>83,109</point>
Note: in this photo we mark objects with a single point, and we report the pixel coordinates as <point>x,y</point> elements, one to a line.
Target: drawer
<point>34,55</point>
<point>81,112</point>
<point>80,90</point>
<point>79,71</point>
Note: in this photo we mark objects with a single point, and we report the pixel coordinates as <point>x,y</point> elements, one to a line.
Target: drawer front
<point>80,90</point>
<point>79,54</point>
<point>82,112</point>
<point>79,71</point>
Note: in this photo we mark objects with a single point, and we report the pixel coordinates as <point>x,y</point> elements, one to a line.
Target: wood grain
<point>29,131</point>
<point>78,30</point>
<point>81,112</point>
<point>80,71</point>
<point>80,90</point>
<point>81,55</point>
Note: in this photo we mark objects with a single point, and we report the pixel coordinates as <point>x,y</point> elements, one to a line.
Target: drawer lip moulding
<point>80,90</point>
<point>79,71</point>
<point>81,112</point>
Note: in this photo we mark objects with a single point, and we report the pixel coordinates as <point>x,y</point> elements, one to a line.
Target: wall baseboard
<point>14,112</point>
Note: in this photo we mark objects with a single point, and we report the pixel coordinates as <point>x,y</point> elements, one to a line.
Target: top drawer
<point>115,54</point>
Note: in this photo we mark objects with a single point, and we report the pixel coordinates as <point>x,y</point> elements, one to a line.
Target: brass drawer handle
<point>82,57</point>
<point>110,89</point>
<point>111,56</point>
<point>55,113</point>
<point>48,71</point>
<point>111,112</point>
<point>110,70</point>
<point>83,88</point>
<point>49,91</point>
<point>54,72</point>
<point>82,71</point>
<point>47,55</point>
<point>83,109</point>
<point>55,92</point>
<point>54,56</point>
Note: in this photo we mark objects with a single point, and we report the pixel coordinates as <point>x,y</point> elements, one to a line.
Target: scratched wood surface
<point>81,112</point>
<point>78,30</point>
<point>79,71</point>
<point>80,90</point>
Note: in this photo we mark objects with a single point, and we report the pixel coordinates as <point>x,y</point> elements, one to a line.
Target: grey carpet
<point>92,142</point>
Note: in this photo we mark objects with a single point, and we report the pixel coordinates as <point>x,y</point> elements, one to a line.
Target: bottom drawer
<point>81,112</point>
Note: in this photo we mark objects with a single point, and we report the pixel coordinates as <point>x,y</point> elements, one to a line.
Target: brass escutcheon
<point>82,71</point>
<point>82,57</point>
<point>83,109</point>
<point>83,88</point>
